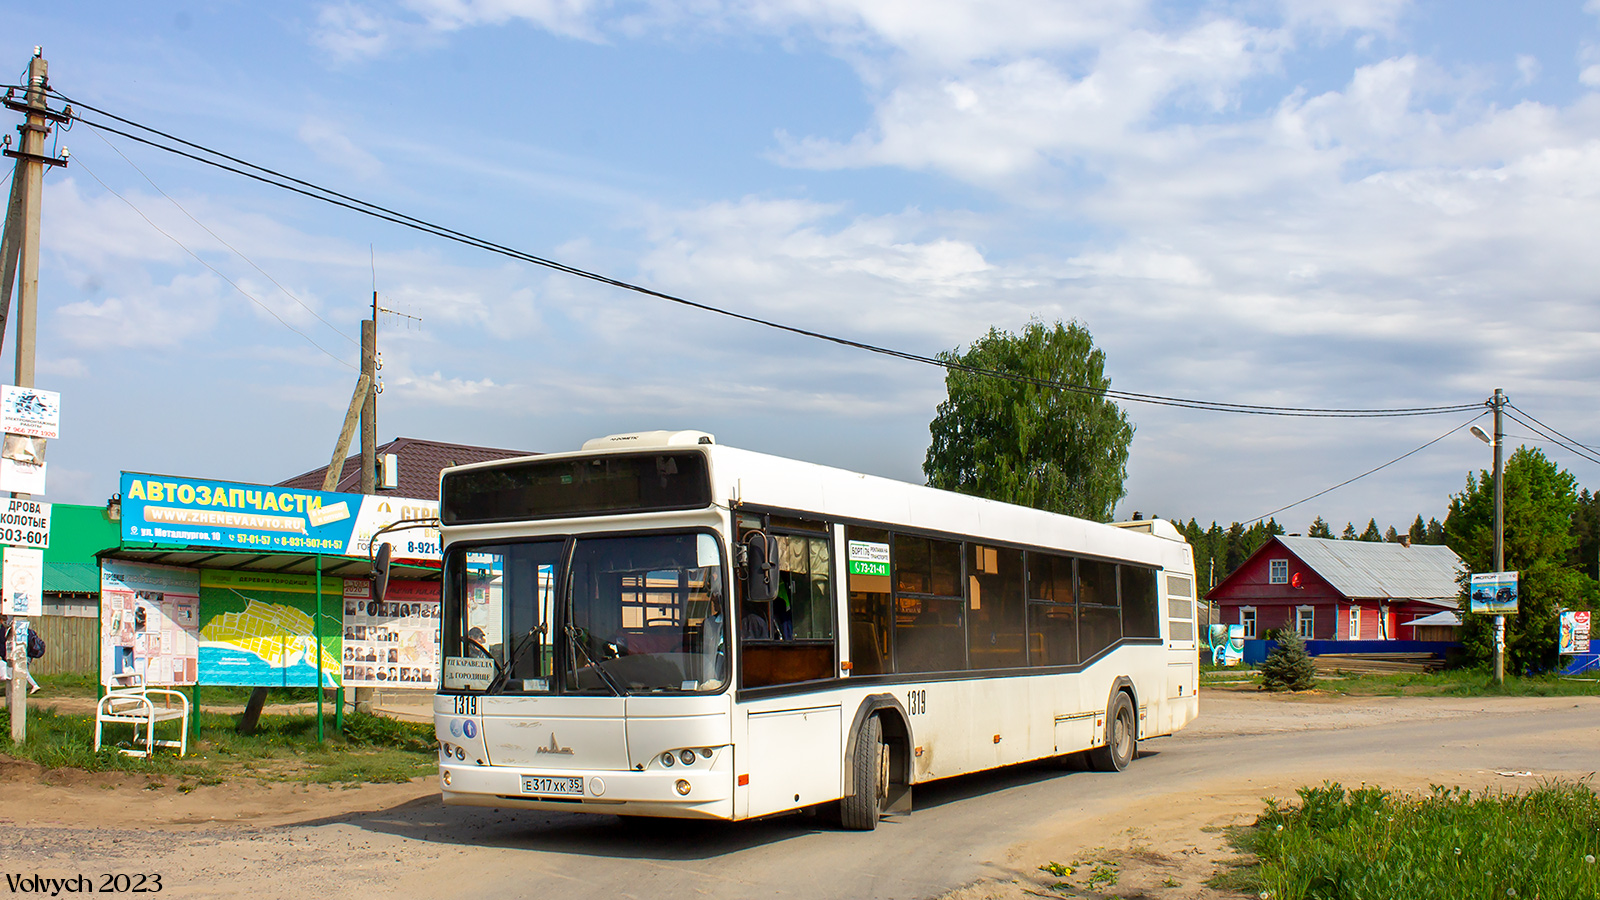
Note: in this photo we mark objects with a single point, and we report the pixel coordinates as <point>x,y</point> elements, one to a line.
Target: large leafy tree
<point>1540,501</point>
<point>1046,447</point>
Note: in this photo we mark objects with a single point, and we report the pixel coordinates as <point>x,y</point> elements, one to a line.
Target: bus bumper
<point>618,793</point>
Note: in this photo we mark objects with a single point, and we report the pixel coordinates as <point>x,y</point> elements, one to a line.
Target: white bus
<point>660,625</point>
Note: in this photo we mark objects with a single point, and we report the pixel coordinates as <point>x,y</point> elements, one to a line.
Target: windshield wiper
<point>572,635</point>
<point>503,676</point>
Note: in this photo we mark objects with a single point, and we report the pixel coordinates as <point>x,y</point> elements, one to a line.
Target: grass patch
<point>1459,683</point>
<point>1448,844</point>
<point>285,748</point>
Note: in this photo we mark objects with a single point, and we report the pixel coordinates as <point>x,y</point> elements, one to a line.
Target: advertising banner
<point>1574,632</point>
<point>256,629</point>
<point>393,643</point>
<point>30,411</point>
<point>149,622</point>
<point>22,582</point>
<point>25,523</point>
<point>1494,593</point>
<point>196,512</point>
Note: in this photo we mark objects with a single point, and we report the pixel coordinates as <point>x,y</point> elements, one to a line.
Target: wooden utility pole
<point>30,176</point>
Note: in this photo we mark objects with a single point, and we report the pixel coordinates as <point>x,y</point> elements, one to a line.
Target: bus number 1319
<point>916,702</point>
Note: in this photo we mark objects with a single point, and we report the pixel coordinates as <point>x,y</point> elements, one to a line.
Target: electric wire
<point>1372,470</point>
<point>327,195</point>
<point>1579,443</point>
<point>214,269</point>
<point>1566,444</point>
<point>237,252</point>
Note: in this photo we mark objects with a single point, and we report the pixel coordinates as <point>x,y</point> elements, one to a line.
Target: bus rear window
<point>576,487</point>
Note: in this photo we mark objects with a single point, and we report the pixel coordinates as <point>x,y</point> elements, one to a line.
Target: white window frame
<point>1305,621</point>
<point>1247,618</point>
<point>1278,571</point>
<point>1355,622</point>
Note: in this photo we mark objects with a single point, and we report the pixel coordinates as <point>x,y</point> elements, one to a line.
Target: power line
<point>1575,441</point>
<point>214,269</point>
<point>1550,434</point>
<point>237,252</point>
<point>1372,470</point>
<point>327,195</point>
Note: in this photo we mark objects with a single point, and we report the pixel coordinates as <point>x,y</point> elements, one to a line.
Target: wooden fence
<point>72,645</point>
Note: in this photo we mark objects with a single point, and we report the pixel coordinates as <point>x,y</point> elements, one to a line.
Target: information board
<point>257,629</point>
<point>393,643</point>
<point>149,622</point>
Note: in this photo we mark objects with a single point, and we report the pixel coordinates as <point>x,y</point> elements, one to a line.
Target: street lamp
<point>1497,403</point>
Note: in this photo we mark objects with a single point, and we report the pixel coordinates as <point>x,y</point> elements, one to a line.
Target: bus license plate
<point>540,784</point>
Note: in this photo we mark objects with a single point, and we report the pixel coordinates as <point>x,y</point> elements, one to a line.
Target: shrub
<point>1288,667</point>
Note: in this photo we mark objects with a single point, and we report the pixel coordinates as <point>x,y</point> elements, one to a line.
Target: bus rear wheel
<point>1122,737</point>
<point>869,765</point>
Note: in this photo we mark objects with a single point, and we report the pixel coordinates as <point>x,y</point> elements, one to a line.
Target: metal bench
<point>135,704</point>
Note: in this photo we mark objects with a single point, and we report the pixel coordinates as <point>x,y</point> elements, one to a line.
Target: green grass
<point>1448,844</point>
<point>372,748</point>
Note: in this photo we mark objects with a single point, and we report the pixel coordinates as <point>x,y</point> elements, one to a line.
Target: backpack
<point>35,645</point>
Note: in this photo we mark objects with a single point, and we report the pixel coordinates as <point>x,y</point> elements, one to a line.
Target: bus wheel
<point>870,769</point>
<point>1121,737</point>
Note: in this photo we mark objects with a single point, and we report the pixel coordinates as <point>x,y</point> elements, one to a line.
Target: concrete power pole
<point>30,171</point>
<point>1499,531</point>
<point>369,410</point>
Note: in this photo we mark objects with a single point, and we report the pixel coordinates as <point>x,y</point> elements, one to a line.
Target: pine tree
<point>1419,531</point>
<point>1349,532</point>
<point>1320,529</point>
<point>1391,536</point>
<point>1288,667</point>
<point>1372,534</point>
<point>1435,532</point>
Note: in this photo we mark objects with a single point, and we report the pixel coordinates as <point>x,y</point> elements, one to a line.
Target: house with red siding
<point>1338,590</point>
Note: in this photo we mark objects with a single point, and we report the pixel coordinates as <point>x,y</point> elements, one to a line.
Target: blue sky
<point>1292,202</point>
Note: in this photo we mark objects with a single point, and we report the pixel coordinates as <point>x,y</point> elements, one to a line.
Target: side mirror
<point>380,572</point>
<point>761,569</point>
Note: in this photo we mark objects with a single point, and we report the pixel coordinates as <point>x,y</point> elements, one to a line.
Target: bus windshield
<point>645,615</point>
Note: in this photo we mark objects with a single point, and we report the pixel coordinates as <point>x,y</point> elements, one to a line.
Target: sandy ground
<point>1163,838</point>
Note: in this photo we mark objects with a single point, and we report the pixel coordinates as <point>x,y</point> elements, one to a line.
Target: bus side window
<point>1052,612</point>
<point>930,627</point>
<point>996,610</point>
<point>1139,617</point>
<point>1099,612</point>
<point>869,583</point>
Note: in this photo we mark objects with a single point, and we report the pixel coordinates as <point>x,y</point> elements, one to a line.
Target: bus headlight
<point>446,777</point>
<point>667,759</point>
<point>687,756</point>
<point>683,787</point>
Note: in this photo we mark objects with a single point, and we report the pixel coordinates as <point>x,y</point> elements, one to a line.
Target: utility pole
<point>369,410</point>
<point>1499,403</point>
<point>31,161</point>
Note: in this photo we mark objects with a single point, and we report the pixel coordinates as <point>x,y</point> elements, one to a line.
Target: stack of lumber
<point>1377,663</point>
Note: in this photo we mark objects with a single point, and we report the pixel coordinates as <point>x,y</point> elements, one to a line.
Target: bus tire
<point>1122,737</point>
<point>870,768</point>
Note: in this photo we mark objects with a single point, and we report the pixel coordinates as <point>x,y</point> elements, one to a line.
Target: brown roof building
<point>420,464</point>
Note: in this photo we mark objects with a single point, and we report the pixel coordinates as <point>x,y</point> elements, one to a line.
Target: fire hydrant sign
<point>30,411</point>
<point>25,523</point>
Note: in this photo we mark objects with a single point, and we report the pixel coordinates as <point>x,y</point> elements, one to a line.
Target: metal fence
<point>72,645</point>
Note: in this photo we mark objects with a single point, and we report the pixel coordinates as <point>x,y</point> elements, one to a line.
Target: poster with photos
<point>150,623</point>
<point>393,643</point>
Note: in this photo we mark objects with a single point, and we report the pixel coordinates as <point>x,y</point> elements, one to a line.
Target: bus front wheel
<point>1122,737</point>
<point>869,765</point>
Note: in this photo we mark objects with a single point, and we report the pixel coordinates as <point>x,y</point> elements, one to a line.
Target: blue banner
<point>191,511</point>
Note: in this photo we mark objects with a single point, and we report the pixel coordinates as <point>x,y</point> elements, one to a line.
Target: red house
<point>1338,590</point>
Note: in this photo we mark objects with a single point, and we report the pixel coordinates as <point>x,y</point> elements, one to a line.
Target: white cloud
<point>156,317</point>
<point>335,148</point>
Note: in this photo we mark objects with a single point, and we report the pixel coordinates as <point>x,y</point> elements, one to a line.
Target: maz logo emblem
<point>555,747</point>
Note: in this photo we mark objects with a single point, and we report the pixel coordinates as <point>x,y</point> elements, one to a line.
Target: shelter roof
<point>1383,571</point>
<point>297,563</point>
<point>421,461</point>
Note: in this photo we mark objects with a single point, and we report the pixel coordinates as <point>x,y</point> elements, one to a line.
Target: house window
<point>1355,623</point>
<point>1247,618</point>
<point>1305,620</point>
<point>1278,572</point>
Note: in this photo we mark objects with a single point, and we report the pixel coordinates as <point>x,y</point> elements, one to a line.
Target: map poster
<point>256,629</point>
<point>149,622</point>
<point>394,643</point>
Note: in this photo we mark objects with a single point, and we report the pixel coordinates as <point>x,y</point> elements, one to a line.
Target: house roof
<point>1383,571</point>
<point>1448,617</point>
<point>420,464</point>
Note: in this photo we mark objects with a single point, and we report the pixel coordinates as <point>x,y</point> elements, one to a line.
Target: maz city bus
<point>659,625</point>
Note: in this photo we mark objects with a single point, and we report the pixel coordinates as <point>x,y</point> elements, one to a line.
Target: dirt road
<point>980,836</point>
